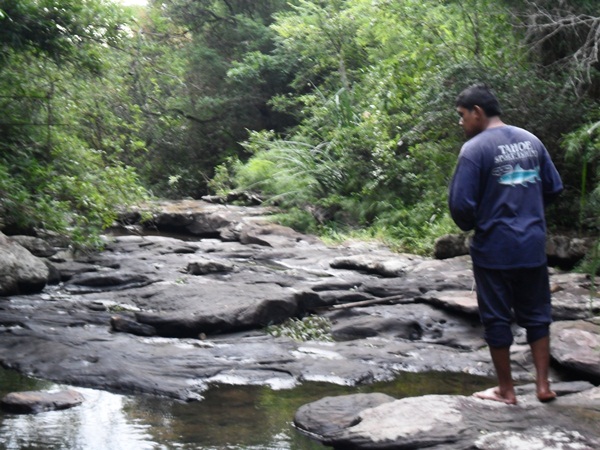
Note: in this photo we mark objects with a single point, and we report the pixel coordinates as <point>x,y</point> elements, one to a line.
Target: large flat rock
<point>576,345</point>
<point>455,422</point>
<point>173,315</point>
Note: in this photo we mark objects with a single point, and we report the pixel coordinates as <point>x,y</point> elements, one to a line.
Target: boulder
<point>566,252</point>
<point>452,422</point>
<point>196,217</point>
<point>38,247</point>
<point>575,345</point>
<point>34,402</point>
<point>20,271</point>
<point>451,245</point>
<point>562,251</point>
<point>414,422</point>
<point>341,412</point>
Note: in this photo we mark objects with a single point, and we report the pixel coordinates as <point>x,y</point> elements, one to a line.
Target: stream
<point>229,417</point>
<point>155,321</point>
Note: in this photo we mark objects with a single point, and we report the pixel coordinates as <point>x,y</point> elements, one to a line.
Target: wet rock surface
<point>174,315</point>
<point>34,402</point>
<point>373,421</point>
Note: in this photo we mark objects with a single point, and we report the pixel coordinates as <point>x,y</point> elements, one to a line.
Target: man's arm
<point>463,198</point>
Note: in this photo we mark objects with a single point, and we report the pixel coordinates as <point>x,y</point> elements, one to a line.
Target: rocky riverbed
<point>175,315</point>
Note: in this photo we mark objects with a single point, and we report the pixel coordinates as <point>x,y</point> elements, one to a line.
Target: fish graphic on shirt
<point>513,176</point>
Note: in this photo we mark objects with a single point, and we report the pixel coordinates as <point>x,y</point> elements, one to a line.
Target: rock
<point>106,280</point>
<point>196,307</point>
<point>566,252</point>
<point>335,297</point>
<point>542,437</point>
<point>561,388</point>
<point>575,345</point>
<point>196,217</point>
<point>205,266</point>
<point>221,200</point>
<point>451,245</point>
<point>414,422</point>
<point>341,412</point>
<point>370,264</point>
<point>128,325</point>
<point>575,304</point>
<point>38,247</point>
<point>244,197</point>
<point>453,422</point>
<point>573,297</point>
<point>272,235</point>
<point>388,287</point>
<point>562,251</point>
<point>461,301</point>
<point>181,333</point>
<point>20,271</point>
<point>54,276</point>
<point>415,322</point>
<point>34,402</point>
<point>68,269</point>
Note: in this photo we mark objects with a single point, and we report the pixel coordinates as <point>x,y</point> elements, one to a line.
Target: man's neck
<point>494,122</point>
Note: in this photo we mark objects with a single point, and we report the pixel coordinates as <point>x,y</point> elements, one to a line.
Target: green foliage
<point>204,73</point>
<point>65,31</point>
<point>374,86</point>
<point>374,147</point>
<point>60,142</point>
<point>583,147</point>
<point>591,266</point>
<point>339,111</point>
<point>309,328</point>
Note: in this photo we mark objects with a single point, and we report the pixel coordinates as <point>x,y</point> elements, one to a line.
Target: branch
<point>179,112</point>
<point>374,301</point>
<point>543,25</point>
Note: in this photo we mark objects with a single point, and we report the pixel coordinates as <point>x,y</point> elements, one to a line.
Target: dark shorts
<point>519,294</point>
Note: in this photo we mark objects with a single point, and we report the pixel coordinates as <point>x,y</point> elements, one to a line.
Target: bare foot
<point>495,395</point>
<point>543,391</point>
<point>546,395</point>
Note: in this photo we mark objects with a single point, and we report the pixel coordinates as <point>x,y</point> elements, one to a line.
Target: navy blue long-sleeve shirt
<point>503,178</point>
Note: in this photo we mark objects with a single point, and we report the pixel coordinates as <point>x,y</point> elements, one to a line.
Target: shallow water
<point>229,417</point>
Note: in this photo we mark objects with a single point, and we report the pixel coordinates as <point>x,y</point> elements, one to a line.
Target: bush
<point>310,328</point>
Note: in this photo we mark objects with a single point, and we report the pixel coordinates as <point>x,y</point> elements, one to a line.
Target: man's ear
<point>479,111</point>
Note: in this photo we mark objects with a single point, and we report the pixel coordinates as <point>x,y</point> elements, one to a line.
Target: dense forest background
<point>341,112</point>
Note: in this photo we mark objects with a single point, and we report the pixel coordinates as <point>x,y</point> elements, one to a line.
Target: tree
<point>54,175</point>
<point>564,38</point>
<point>203,74</point>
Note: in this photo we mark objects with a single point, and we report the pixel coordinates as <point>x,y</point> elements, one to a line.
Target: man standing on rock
<point>503,179</point>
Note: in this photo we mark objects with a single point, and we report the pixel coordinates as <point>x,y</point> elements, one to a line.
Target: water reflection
<point>100,423</point>
<point>230,417</point>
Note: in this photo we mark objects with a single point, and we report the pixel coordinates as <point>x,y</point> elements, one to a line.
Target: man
<point>503,179</point>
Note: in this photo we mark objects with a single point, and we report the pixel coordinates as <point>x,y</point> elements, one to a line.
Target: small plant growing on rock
<point>309,328</point>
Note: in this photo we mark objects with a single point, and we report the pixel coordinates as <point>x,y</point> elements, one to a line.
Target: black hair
<point>479,95</point>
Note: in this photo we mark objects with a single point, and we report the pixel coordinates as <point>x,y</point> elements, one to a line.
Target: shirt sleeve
<point>464,195</point>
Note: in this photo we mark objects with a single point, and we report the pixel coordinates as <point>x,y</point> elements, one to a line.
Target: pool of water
<point>229,417</point>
